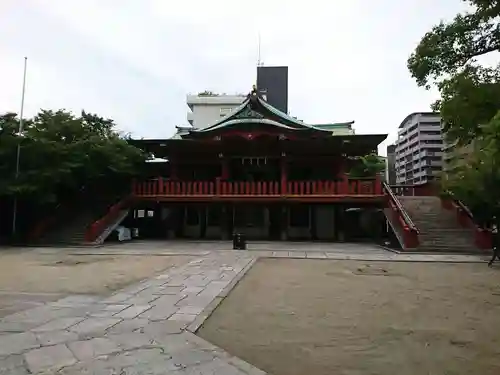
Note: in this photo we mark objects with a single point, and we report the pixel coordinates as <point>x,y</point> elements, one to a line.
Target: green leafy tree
<point>476,182</point>
<point>452,57</point>
<point>62,154</point>
<point>367,166</point>
<point>449,57</point>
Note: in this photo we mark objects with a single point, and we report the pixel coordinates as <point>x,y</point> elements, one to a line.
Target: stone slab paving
<point>200,248</point>
<point>142,329</point>
<point>148,327</point>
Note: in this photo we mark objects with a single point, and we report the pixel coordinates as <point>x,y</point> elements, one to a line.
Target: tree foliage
<point>476,182</point>
<point>448,56</point>
<point>60,154</point>
<point>452,57</point>
<point>367,166</point>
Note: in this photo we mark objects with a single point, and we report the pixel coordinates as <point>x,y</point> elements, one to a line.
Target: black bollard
<point>236,241</point>
<point>243,242</point>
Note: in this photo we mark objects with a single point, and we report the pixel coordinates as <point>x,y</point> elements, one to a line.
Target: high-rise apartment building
<point>390,165</point>
<point>419,155</point>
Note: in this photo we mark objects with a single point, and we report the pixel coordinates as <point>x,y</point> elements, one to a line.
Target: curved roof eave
<point>223,119</point>
<point>248,121</point>
<point>277,112</point>
<point>269,107</point>
<point>334,124</point>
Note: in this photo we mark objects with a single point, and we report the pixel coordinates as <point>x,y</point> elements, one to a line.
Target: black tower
<point>272,83</point>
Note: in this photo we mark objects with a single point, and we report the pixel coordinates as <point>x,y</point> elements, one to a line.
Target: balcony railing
<point>427,189</point>
<point>345,187</point>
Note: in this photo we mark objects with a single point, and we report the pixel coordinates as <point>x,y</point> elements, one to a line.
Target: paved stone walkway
<point>146,328</point>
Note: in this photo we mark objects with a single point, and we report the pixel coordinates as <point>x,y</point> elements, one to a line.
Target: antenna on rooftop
<point>259,62</point>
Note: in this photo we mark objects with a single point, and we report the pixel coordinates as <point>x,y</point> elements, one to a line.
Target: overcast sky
<point>135,60</point>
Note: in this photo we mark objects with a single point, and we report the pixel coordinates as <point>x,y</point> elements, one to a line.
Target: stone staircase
<point>438,227</point>
<point>70,232</point>
<point>71,225</point>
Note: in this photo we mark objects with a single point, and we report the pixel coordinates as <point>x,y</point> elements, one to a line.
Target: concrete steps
<point>72,231</point>
<point>439,230</point>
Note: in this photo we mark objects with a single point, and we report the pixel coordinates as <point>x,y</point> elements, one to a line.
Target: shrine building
<point>257,171</point>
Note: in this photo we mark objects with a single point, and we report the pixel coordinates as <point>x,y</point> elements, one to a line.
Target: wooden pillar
<point>173,170</point>
<point>160,186</point>
<point>224,223</point>
<point>284,174</point>
<point>224,167</point>
<point>203,221</point>
<point>340,167</point>
<point>340,220</point>
<point>224,175</point>
<point>284,223</point>
<point>313,222</point>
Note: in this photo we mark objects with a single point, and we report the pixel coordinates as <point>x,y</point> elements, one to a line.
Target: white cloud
<point>135,60</point>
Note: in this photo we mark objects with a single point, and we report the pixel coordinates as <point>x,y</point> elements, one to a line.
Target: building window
<point>432,141</point>
<point>430,132</point>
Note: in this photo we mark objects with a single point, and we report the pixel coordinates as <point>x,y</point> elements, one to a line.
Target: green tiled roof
<point>284,118</point>
<point>255,110</point>
<point>335,125</point>
<point>338,128</point>
<point>247,121</point>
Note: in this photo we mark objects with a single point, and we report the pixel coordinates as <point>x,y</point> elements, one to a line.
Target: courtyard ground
<point>319,317</point>
<point>29,277</point>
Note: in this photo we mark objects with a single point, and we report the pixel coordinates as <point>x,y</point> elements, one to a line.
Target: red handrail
<point>401,217</point>
<point>163,187</point>
<point>483,237</point>
<point>96,228</point>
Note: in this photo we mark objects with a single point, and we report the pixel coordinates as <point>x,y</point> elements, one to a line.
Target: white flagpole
<point>18,156</point>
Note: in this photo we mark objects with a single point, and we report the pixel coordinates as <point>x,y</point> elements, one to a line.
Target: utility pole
<point>18,154</point>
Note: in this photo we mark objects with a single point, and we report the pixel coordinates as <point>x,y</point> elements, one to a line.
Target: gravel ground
<point>319,317</point>
<point>29,278</point>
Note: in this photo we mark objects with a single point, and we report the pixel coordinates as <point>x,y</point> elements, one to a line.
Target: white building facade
<point>206,109</point>
<point>419,155</point>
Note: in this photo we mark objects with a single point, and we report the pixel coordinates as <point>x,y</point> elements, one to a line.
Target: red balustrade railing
<point>483,237</point>
<point>162,187</point>
<point>427,189</point>
<point>97,227</point>
<point>401,218</point>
